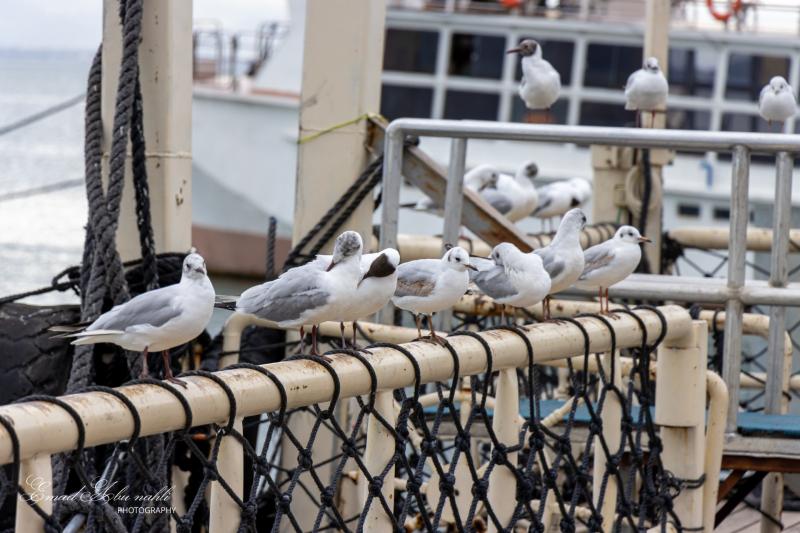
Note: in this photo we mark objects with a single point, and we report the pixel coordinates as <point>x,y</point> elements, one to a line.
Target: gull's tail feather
<point>68,328</point>
<point>225,302</point>
<point>409,205</point>
<point>93,337</point>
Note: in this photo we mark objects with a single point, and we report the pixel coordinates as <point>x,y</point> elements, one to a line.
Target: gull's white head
<point>574,221</point>
<point>529,170</point>
<point>487,175</point>
<point>630,235</point>
<point>651,64</point>
<point>194,266</point>
<point>527,48</point>
<point>505,253</point>
<point>778,84</point>
<point>457,258</point>
<point>348,245</point>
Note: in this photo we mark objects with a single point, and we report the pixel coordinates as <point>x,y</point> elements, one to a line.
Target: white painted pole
<point>225,513</point>
<point>611,417</point>
<point>36,479</point>
<point>379,451</point>
<point>502,482</point>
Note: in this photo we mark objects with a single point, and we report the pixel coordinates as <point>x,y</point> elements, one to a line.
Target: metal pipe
<point>758,239</point>
<point>715,439</point>
<point>107,420</point>
<point>453,200</point>
<point>732,344</point>
<point>36,479</point>
<point>390,201</point>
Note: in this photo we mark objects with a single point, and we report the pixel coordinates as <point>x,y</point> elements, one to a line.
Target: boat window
<point>722,213</point>
<point>609,65</point>
<point>411,102</point>
<point>689,210</point>
<point>691,71</point>
<point>410,51</point>
<point>556,115</point>
<point>471,105</point>
<point>558,53</point>
<point>688,119</point>
<point>603,114</point>
<point>746,122</point>
<point>477,56</point>
<point>748,73</point>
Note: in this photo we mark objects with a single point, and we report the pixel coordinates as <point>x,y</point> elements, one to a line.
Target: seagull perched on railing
<point>777,102</point>
<point>157,320</point>
<point>427,286</point>
<point>611,262</point>
<point>514,196</point>
<point>541,83</point>
<point>563,257</point>
<point>319,291</point>
<point>511,277</point>
<point>647,88</point>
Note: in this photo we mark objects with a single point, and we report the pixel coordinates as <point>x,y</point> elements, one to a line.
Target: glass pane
<point>744,122</point>
<point>597,114</point>
<point>610,65</point>
<point>559,54</point>
<point>410,51</point>
<point>556,115</point>
<point>410,102</point>
<point>685,119</point>
<point>471,106</point>
<point>691,71</point>
<point>747,74</point>
<point>478,56</point>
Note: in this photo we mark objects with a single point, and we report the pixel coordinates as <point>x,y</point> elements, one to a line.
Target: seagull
<point>583,189</point>
<point>514,196</point>
<point>647,88</point>
<point>612,261</point>
<point>156,320</point>
<point>478,179</point>
<point>426,286</point>
<point>512,277</point>
<point>316,292</point>
<point>557,198</point>
<point>375,288</point>
<point>541,83</point>
<point>563,258</point>
<point>777,101</point>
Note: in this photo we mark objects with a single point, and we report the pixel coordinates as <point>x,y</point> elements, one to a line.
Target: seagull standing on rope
<point>777,102</point>
<point>541,83</point>
<point>611,262</point>
<point>156,320</point>
<point>512,277</point>
<point>647,88</point>
<point>514,196</point>
<point>316,292</point>
<point>563,258</point>
<point>427,286</point>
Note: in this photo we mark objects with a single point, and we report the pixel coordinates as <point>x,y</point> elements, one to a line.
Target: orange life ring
<point>510,4</point>
<point>736,6</point>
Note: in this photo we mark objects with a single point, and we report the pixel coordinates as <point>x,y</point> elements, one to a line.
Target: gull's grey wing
<point>597,256</point>
<point>285,298</point>
<point>545,199</point>
<point>551,262</point>
<point>763,92</point>
<point>498,200</point>
<point>629,83</point>
<point>155,308</point>
<point>417,278</point>
<point>494,283</point>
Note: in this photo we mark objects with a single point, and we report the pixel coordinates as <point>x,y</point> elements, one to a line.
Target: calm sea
<point>40,234</point>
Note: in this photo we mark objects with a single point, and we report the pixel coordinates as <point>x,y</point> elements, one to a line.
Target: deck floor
<point>747,520</point>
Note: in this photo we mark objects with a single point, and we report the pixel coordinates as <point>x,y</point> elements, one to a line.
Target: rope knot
<point>595,523</point>
<point>349,448</point>
<point>211,472</point>
<point>413,485</point>
<point>375,486</point>
<point>480,489</point>
<point>525,489</point>
<point>428,446</point>
<point>304,460</point>
<point>567,524</point>
<point>285,502</point>
<point>461,443</point>
<point>447,484</point>
<point>326,497</point>
<point>249,510</point>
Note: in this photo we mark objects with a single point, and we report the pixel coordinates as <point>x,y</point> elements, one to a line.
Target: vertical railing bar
<point>453,201</point>
<point>731,363</point>
<point>390,208</point>
<point>502,482</point>
<point>36,478</point>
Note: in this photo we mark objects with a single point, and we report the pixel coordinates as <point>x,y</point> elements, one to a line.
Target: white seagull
<point>777,102</point>
<point>647,88</point>
<point>512,277</point>
<point>612,261</point>
<point>426,286</point>
<point>316,292</point>
<point>157,320</point>
<point>514,196</point>
<point>541,83</point>
<point>478,179</point>
<point>556,198</point>
<point>374,290</point>
<point>563,258</point>
<point>583,189</point>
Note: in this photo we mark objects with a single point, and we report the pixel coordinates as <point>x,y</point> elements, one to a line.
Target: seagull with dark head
<point>541,83</point>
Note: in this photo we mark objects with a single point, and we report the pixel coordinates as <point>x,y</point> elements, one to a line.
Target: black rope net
<point>307,466</point>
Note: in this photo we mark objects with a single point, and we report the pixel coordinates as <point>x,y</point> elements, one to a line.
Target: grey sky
<point>76,24</point>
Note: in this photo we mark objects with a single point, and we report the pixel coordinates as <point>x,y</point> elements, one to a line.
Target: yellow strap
<point>312,136</point>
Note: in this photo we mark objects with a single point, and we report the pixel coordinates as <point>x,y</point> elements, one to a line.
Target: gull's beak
<point>513,50</point>
<point>333,264</point>
<point>645,239</point>
<point>471,267</point>
<point>200,270</point>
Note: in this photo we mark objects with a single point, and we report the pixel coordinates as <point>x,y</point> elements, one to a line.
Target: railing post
<point>680,412</point>
<point>225,513</point>
<point>453,200</point>
<point>732,346</point>
<point>611,417</point>
<point>502,482</point>
<point>379,451</point>
<point>777,371</point>
<point>36,479</point>
<point>390,199</point>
